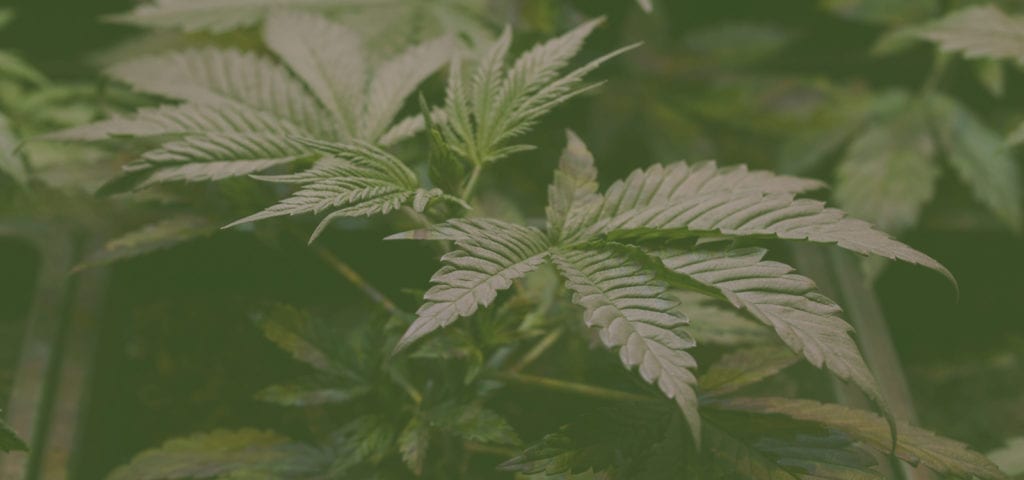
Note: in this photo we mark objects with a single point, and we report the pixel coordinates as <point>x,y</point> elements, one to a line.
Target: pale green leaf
<point>913,444</point>
<point>215,16</point>
<point>215,156</point>
<point>981,31</point>
<point>225,453</point>
<point>805,320</point>
<point>394,80</point>
<point>216,77</point>
<point>358,180</point>
<point>185,119</point>
<point>757,214</point>
<point>485,262</point>
<point>573,192</point>
<point>889,172</point>
<point>664,185</point>
<point>383,23</point>
<point>632,312</point>
<point>502,103</point>
<point>1010,458</point>
<point>980,157</point>
<point>13,67</point>
<point>162,234</point>
<point>328,57</point>
<point>888,12</point>
<point>473,423</point>
<point>413,443</point>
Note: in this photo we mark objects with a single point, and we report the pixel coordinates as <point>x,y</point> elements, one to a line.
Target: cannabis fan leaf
<point>242,110</point>
<point>978,31</point>
<point>500,103</point>
<point>360,179</point>
<point>385,23</point>
<point>600,244</point>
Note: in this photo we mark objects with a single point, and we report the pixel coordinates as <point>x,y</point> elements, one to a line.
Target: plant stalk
<point>356,279</point>
<point>542,346</point>
<point>474,177</point>
<point>574,388</point>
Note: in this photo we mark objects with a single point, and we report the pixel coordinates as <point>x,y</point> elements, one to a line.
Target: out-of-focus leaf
<point>913,444</point>
<point>889,172</point>
<point>367,439</point>
<point>887,12</point>
<point>737,44</point>
<point>746,367</point>
<point>9,440</point>
<point>413,443</point>
<point>646,5</point>
<point>12,66</point>
<point>11,162</point>
<point>220,453</point>
<point>895,41</point>
<point>979,155</point>
<point>310,391</point>
<point>444,168</point>
<point>808,146</point>
<point>1016,137</point>
<point>1010,458</point>
<point>474,423</point>
<point>778,450</point>
<point>307,339</point>
<point>991,75</point>
<point>764,104</point>
<point>982,31</point>
<point>603,441</point>
<point>159,235</point>
<point>6,15</point>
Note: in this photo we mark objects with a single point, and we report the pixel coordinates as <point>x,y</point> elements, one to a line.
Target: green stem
<point>356,279</point>
<point>474,177</point>
<point>574,388</point>
<point>542,346</point>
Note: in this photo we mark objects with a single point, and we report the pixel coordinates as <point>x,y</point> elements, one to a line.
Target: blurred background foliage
<point>917,140</point>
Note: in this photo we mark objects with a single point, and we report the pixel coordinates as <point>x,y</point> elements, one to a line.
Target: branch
<point>356,279</point>
<point>574,388</point>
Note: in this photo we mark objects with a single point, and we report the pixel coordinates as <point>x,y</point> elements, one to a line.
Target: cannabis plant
<point>671,257</point>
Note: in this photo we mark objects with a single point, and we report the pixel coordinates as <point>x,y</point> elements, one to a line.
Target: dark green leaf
<point>9,439</point>
<point>745,367</point>
<point>913,444</point>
